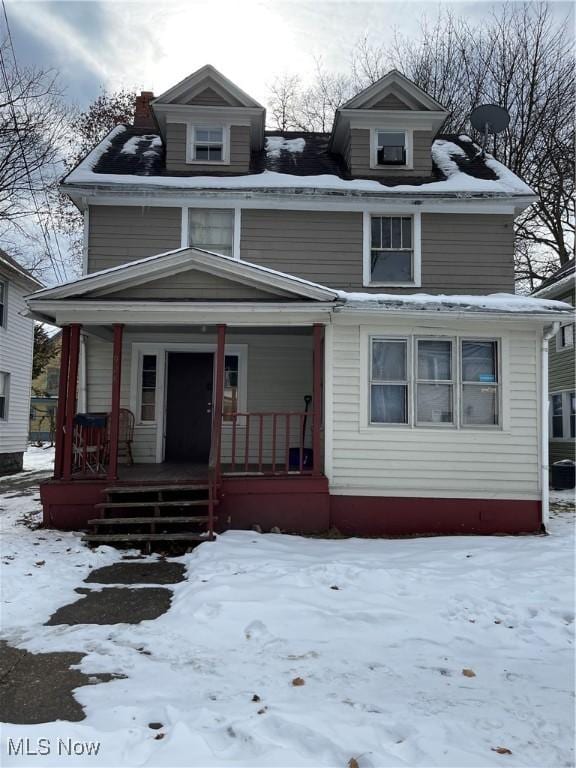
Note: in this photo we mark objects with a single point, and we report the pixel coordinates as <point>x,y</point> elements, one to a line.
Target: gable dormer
<point>208,124</point>
<point>388,129</point>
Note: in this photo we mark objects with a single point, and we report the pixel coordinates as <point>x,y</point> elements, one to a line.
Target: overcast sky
<point>153,45</point>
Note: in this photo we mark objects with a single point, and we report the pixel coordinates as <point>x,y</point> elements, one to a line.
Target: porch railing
<point>269,443</point>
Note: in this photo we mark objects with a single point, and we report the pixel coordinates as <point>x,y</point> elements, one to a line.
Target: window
<point>4,392</point>
<point>391,249</point>
<point>3,299</point>
<point>563,415</point>
<point>446,373</point>
<point>148,388</point>
<point>434,383</point>
<point>230,402</point>
<point>390,147</point>
<point>212,229</point>
<point>208,144</point>
<point>389,381</point>
<point>480,390</point>
<point>565,337</point>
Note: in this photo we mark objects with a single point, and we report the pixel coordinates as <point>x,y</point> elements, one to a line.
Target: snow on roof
<point>495,302</point>
<point>464,173</point>
<point>133,144</point>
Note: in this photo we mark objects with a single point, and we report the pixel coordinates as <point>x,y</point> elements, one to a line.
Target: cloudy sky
<point>153,45</point>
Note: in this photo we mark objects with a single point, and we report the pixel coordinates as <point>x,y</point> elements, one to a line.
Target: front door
<point>189,407</point>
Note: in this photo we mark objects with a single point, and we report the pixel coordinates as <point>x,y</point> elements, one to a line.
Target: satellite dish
<point>489,119</point>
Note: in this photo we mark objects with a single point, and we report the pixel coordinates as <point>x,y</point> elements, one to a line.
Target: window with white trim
<point>389,381</point>
<point>391,249</point>
<point>435,381</point>
<point>391,147</point>
<point>565,337</point>
<point>421,382</point>
<point>207,144</point>
<point>563,415</point>
<point>4,394</point>
<point>230,398</point>
<point>212,229</point>
<point>3,299</point>
<point>148,383</point>
<point>480,383</point>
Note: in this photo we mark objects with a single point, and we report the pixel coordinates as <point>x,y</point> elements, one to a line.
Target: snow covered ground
<point>379,631</point>
<point>39,458</point>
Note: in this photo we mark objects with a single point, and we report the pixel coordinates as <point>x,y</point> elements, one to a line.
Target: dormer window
<point>208,144</point>
<point>391,148</point>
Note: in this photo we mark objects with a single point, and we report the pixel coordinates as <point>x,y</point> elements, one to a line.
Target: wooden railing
<point>269,443</point>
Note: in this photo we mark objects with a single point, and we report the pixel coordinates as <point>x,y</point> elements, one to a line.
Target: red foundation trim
<point>402,516</point>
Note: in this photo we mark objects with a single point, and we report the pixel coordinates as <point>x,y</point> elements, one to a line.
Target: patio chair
<point>125,434</point>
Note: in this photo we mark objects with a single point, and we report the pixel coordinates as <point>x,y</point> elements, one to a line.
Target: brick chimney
<point>143,117</point>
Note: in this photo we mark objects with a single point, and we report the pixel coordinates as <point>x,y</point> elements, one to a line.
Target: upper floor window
<point>392,250</point>
<point>212,229</point>
<point>563,415</point>
<point>565,337</point>
<point>3,298</point>
<point>391,148</point>
<point>208,144</point>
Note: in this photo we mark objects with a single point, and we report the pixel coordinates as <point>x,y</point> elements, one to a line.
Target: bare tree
<point>283,100</point>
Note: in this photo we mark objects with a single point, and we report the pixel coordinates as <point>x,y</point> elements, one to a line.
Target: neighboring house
<point>232,272</point>
<point>562,418</point>
<point>16,349</point>
<point>44,398</point>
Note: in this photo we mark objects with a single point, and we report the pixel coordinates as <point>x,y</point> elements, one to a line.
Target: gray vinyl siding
<point>561,361</point>
<point>176,151</point>
<point>279,374</point>
<point>119,234</point>
<point>208,98</point>
<point>436,462</point>
<point>461,253</point>
<point>358,156</point>
<point>391,101</point>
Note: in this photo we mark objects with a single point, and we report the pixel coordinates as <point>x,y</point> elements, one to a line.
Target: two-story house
<point>16,349</point>
<point>308,330</point>
<point>562,421</point>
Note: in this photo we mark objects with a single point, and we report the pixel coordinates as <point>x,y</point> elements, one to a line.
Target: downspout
<point>548,333</point>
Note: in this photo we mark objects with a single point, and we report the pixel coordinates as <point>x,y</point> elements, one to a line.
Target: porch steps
<point>146,514</point>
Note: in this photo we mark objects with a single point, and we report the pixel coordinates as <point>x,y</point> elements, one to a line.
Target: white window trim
<point>454,383</point>
<point>409,144</point>
<point>498,383</point>
<point>416,249</point>
<point>4,324</point>
<point>161,350</point>
<point>409,380</point>
<point>559,346</point>
<point>185,224</point>
<point>367,333</point>
<point>190,141</point>
<point>6,416</point>
<point>565,394</point>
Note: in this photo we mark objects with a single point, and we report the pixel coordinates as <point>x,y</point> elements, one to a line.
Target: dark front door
<point>189,407</point>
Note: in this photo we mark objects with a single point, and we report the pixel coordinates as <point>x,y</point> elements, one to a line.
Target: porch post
<point>72,384</point>
<point>218,398</point>
<point>115,413</point>
<point>61,407</point>
<point>317,398</point>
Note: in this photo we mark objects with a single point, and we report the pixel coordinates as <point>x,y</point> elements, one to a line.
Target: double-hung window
<point>480,383</point>
<point>391,147</point>
<point>563,415</point>
<point>420,382</point>
<point>565,337</point>
<point>3,299</point>
<point>391,250</point>
<point>207,144</point>
<point>4,393</point>
<point>212,229</point>
<point>389,381</point>
<point>434,382</point>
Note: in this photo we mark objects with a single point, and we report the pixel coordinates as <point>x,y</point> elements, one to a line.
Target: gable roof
<point>14,268</point>
<point>181,260</point>
<point>398,83</point>
<point>559,282</point>
<point>207,76</point>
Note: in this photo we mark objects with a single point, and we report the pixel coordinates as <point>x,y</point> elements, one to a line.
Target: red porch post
<point>61,408</point>
<point>115,413</point>
<point>72,384</point>
<point>218,398</point>
<point>317,399</point>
